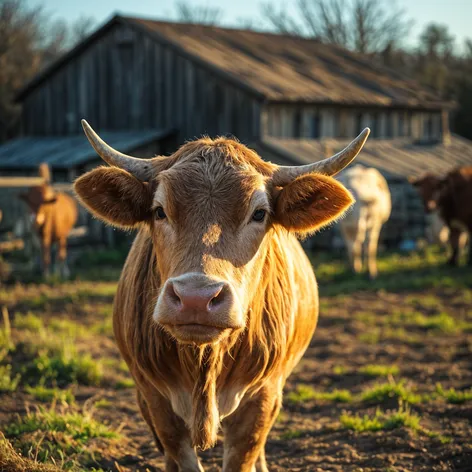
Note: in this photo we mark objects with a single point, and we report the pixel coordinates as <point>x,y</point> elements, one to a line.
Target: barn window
<point>358,123</point>
<point>315,131</point>
<point>277,122</point>
<point>429,126</point>
<point>297,124</point>
<point>375,125</point>
<point>389,127</point>
<point>401,124</point>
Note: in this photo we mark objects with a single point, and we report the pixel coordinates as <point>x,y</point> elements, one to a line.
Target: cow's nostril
<point>217,299</point>
<point>171,293</point>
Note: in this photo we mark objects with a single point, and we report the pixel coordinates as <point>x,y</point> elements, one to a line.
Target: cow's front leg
<point>246,432</point>
<point>170,432</point>
<point>45,257</point>
<point>454,238</point>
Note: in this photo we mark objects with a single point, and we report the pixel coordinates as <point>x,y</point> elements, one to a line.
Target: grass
<point>292,434</point>
<point>45,394</point>
<point>10,460</point>
<point>63,436</point>
<point>382,392</point>
<point>63,368</point>
<point>124,383</point>
<point>80,426</point>
<point>378,370</point>
<point>386,421</point>
<point>29,321</point>
<point>454,396</point>
<point>103,404</point>
<point>305,393</point>
<point>381,421</point>
<point>397,273</point>
<point>8,381</point>
<point>340,370</point>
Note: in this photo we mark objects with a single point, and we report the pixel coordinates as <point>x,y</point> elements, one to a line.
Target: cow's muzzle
<point>197,309</point>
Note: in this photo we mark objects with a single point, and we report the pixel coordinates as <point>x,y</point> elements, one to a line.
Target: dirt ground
<point>410,332</point>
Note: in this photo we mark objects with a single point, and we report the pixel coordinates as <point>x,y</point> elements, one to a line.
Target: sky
<point>457,14</point>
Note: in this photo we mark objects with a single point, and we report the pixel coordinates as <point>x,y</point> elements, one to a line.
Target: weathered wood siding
<point>127,80</point>
<point>308,121</point>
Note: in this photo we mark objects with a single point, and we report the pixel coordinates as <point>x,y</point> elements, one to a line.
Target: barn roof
<point>276,67</point>
<point>399,157</point>
<point>64,152</point>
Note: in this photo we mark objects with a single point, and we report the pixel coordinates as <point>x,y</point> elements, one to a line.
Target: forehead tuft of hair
<point>228,150</point>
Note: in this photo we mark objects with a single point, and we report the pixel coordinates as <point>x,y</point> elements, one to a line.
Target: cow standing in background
<point>217,301</point>
<point>450,197</point>
<point>361,226</point>
<point>53,215</point>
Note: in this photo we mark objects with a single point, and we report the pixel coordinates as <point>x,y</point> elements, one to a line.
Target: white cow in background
<point>361,226</point>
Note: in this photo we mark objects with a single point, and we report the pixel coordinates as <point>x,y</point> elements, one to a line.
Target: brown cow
<point>217,301</point>
<point>53,214</point>
<point>450,197</point>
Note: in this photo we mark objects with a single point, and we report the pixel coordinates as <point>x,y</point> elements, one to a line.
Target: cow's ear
<point>115,196</point>
<point>311,202</point>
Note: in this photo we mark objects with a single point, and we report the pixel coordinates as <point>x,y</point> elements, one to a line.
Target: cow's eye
<point>160,213</point>
<point>259,215</point>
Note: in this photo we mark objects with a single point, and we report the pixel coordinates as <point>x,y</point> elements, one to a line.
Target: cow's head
<point>212,209</point>
<point>430,189</point>
<point>39,196</point>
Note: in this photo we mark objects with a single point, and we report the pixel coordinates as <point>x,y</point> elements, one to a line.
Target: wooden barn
<point>147,86</point>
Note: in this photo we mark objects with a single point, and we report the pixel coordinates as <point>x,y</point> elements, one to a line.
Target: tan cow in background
<point>362,224</point>
<point>53,215</point>
<point>217,301</point>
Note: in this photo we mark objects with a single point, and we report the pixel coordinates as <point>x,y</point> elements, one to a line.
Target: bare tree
<point>20,58</point>
<point>366,26</point>
<point>29,40</point>
<point>201,14</point>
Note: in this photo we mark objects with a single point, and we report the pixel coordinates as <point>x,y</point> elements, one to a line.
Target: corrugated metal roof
<point>63,152</point>
<point>395,157</point>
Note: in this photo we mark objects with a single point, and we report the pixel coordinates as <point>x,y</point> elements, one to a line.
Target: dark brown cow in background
<point>53,215</point>
<point>451,197</point>
<point>217,301</point>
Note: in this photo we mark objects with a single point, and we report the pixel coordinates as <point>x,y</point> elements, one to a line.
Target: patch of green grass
<point>381,421</point>
<point>292,434</point>
<point>45,394</point>
<point>125,383</point>
<point>454,396</point>
<point>382,392</point>
<point>8,381</point>
<point>104,327</point>
<point>29,321</point>
<point>305,393</point>
<point>378,370</point>
<point>372,337</point>
<point>80,426</point>
<point>69,328</point>
<point>63,368</point>
<point>339,370</point>
<point>397,273</point>
<point>10,460</point>
<point>103,404</point>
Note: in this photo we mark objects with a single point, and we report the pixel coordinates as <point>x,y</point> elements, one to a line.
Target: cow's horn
<point>331,166</point>
<point>142,169</point>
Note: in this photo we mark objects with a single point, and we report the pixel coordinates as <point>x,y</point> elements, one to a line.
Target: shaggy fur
<point>209,191</point>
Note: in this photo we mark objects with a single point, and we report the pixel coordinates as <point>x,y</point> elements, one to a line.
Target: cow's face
<point>430,189</point>
<point>212,212</point>
<point>36,198</point>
